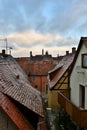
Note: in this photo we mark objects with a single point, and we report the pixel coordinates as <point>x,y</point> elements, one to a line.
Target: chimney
<point>42,52</point>
<point>73,49</point>
<point>3,53</point>
<point>30,53</point>
<point>46,53</point>
<point>67,52</point>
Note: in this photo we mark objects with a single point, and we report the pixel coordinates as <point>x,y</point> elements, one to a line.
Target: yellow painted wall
<point>53,95</point>
<point>52,99</point>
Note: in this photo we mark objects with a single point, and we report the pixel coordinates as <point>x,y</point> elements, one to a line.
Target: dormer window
<point>84,60</point>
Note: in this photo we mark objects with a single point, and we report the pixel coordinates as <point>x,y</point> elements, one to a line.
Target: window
<point>36,86</point>
<point>84,60</point>
<point>82,96</point>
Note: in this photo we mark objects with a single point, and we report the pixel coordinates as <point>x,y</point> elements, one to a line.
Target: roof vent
<point>17,76</point>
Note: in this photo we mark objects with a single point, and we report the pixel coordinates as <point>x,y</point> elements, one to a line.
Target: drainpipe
<point>40,123</point>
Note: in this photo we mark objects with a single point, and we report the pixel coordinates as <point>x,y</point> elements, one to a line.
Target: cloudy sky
<point>33,25</point>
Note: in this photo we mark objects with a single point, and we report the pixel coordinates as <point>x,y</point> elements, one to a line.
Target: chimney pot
<point>67,52</point>
<point>42,52</point>
<point>3,53</point>
<point>30,53</point>
<point>73,49</point>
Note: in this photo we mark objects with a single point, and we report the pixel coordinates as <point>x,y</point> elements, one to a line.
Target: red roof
<point>15,84</point>
<point>13,113</point>
<point>60,69</point>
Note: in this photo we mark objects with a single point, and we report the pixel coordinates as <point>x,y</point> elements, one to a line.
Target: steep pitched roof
<point>60,69</point>
<point>83,40</point>
<point>11,110</point>
<point>14,83</point>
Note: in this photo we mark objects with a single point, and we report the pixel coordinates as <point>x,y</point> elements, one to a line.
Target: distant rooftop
<point>61,68</point>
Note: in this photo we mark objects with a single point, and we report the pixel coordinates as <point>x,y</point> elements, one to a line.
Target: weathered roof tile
<point>62,66</point>
<point>13,113</point>
<point>19,88</point>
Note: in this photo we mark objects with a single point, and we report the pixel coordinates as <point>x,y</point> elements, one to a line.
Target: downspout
<point>40,123</point>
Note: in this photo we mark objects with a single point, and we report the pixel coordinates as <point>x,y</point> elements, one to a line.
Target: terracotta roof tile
<point>19,88</point>
<point>13,113</point>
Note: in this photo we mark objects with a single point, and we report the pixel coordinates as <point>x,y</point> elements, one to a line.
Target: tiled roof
<point>14,84</point>
<point>61,68</point>
<point>13,113</point>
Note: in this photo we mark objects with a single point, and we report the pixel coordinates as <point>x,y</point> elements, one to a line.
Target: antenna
<point>6,43</point>
<point>7,48</point>
<point>4,39</point>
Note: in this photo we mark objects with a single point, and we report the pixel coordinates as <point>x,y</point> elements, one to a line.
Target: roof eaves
<point>77,52</point>
<point>13,113</point>
<point>59,66</point>
<point>52,87</point>
<point>21,89</point>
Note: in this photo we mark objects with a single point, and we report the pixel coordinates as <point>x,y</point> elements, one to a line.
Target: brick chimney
<point>73,49</point>
<point>30,53</point>
<point>46,53</point>
<point>67,52</point>
<point>42,52</point>
<point>3,53</point>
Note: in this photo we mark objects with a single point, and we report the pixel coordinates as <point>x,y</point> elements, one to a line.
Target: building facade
<point>76,107</point>
<point>37,68</point>
<point>58,79</point>
<point>21,106</point>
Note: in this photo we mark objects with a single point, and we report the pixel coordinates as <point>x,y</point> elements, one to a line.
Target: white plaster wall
<point>78,78</point>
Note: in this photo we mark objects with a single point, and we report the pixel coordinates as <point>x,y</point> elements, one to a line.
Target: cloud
<point>36,41</point>
<point>55,16</point>
<point>41,24</point>
<point>31,38</point>
<point>19,15</point>
<point>67,16</point>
